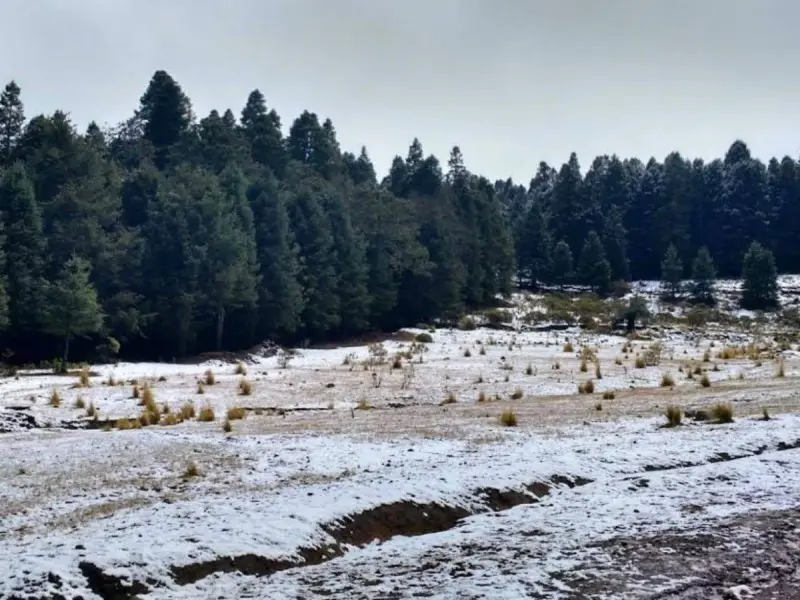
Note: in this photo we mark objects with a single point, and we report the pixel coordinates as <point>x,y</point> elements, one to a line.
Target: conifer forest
<point>173,234</point>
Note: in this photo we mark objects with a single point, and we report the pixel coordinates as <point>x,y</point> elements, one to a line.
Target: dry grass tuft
<point>209,378</point>
<point>667,380</point>
<point>722,412</point>
<point>236,413</point>
<point>135,393</point>
<point>201,389</point>
<point>363,404</point>
<point>91,411</point>
<point>529,369</point>
<point>609,395</point>
<point>618,361</point>
<point>188,411</point>
<point>640,364</point>
<point>674,415</point>
<point>241,369</point>
<point>206,414</point>
<point>508,418</point>
<point>80,403</point>
<point>125,424</point>
<point>765,414</point>
<point>584,366</point>
<point>227,426</point>
<point>587,387</point>
<point>55,399</point>
<point>147,398</point>
<point>171,419</point>
<point>467,353</point>
<point>598,407</point>
<point>705,381</point>
<point>598,374</point>
<point>450,398</point>
<point>517,394</point>
<point>707,356</point>
<point>482,397</point>
<point>191,471</point>
<point>781,371</point>
<point>245,387</point>
<point>83,378</point>
<point>568,347</point>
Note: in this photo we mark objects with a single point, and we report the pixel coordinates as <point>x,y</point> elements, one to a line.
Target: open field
<point>467,467</point>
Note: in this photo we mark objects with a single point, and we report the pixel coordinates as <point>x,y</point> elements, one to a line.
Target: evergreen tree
<point>533,248</point>
<point>262,130</point>
<point>615,241</point>
<point>562,264</point>
<point>593,267</point>
<point>760,279</point>
<point>72,305</point>
<point>671,274</point>
<point>12,120</point>
<point>166,114</point>
<point>703,276</point>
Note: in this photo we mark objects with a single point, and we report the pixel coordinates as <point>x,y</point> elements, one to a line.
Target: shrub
<point>467,324</point>
<point>210,378</point>
<point>241,369</point>
<point>80,403</point>
<point>517,393</point>
<point>698,370</point>
<point>191,471</point>
<point>587,387</point>
<point>674,415</point>
<point>146,396</point>
<point>424,338</point>
<point>707,356</point>
<point>568,347</point>
<point>206,414</point>
<point>609,395</point>
<point>188,411</point>
<point>618,361</point>
<point>162,378</point>
<point>245,388</point>
<point>497,316</point>
<point>236,413</point>
<point>705,381</point>
<point>83,377</point>
<point>55,399</point>
<point>667,380</point>
<point>508,418</point>
<point>227,427</point>
<point>652,355</point>
<point>722,412</point>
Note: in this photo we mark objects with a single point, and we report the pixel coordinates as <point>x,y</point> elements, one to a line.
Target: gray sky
<point>512,82</point>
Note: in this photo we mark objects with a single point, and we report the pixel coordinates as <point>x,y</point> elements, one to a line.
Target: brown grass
<point>135,391</point>
<point>568,347</point>
<point>640,364</point>
<point>587,387</point>
<point>80,403</point>
<point>674,415</point>
<point>55,399</point>
<point>236,413</point>
<point>781,371</point>
<point>482,397</point>
<point>83,378</point>
<point>241,369</point>
<point>201,388</point>
<point>245,387</point>
<point>171,419</point>
<point>227,426</point>
<point>508,418</point>
<point>705,381</point>
<point>517,394</point>
<point>206,414</point>
<point>191,471</point>
<point>722,412</point>
<point>209,377</point>
<point>609,395</point>
<point>667,380</point>
<point>125,424</point>
<point>91,411</point>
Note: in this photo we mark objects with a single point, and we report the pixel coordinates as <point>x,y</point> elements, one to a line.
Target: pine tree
<point>593,267</point>
<point>166,113</point>
<point>671,274</point>
<point>262,130</point>
<point>533,248</point>
<point>562,264</point>
<point>12,120</point>
<point>72,305</point>
<point>760,279</point>
<point>615,240</point>
<point>703,276</point>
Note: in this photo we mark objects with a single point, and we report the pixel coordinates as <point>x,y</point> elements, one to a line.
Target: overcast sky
<point>512,82</point>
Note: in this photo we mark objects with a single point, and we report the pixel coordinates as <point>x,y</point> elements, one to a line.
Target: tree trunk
<point>220,326</point>
<point>66,350</point>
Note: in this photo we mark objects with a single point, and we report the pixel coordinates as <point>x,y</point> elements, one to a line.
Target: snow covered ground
<point>340,447</point>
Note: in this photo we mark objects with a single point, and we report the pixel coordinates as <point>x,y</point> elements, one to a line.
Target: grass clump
<point>424,338</point>
<point>705,381</point>
<point>587,387</point>
<point>209,378</point>
<point>568,347</point>
<point>191,471</point>
<point>584,366</point>
<point>83,378</point>
<point>245,387</point>
<point>170,419</point>
<point>609,395</point>
<point>227,426</point>
<point>80,403</point>
<point>640,364</point>
<point>508,418</point>
<point>363,404</point>
<point>482,397</point>
<point>201,389</point>
<point>517,394</point>
<point>188,411</point>
<point>529,369</point>
<point>236,413</point>
<point>55,399</point>
<point>722,412</point>
<point>598,374</point>
<point>240,369</point>
<point>598,406</point>
<point>707,356</point>
<point>467,353</point>
<point>206,414</point>
<point>674,415</point>
<point>667,380</point>
<point>780,373</point>
<point>126,424</point>
<point>91,411</point>
<point>765,416</point>
<point>450,398</point>
<point>467,324</point>
<point>135,392</point>
<point>146,397</point>
<point>618,361</point>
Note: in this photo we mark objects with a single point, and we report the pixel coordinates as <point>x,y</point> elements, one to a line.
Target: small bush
<point>80,403</point>
<point>467,324</point>
<point>609,395</point>
<point>498,316</point>
<point>191,471</point>
<point>587,387</point>
<point>667,380</point>
<point>640,364</point>
<point>674,415</point>
<point>508,418</point>
<point>236,413</point>
<point>517,393</point>
<point>241,369</point>
<point>188,411</point>
<point>83,377</point>
<point>450,398</point>
<point>227,427</point>
<point>467,353</point>
<point>210,378</point>
<point>162,378</point>
<point>568,347</point>
<point>245,388</point>
<point>55,399</point>
<point>698,370</point>
<point>206,414</point>
<point>722,412</point>
<point>424,338</point>
<point>705,381</point>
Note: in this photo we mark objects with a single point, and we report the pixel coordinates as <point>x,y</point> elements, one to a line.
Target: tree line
<point>169,235</point>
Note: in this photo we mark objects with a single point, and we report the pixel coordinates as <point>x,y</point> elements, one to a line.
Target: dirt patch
<point>110,587</point>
